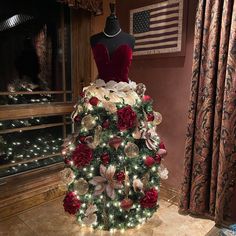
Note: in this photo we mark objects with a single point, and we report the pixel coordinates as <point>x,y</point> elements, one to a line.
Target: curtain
<point>210,151</point>
<point>94,6</point>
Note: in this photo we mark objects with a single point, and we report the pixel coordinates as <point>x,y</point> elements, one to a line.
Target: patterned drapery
<point>210,153</point>
<point>95,6</point>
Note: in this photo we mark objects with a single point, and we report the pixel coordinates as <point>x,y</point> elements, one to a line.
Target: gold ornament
<point>131,150</point>
<point>157,118</point>
<point>126,204</point>
<point>136,134</point>
<point>137,185</point>
<point>88,122</point>
<point>81,186</point>
<point>67,176</point>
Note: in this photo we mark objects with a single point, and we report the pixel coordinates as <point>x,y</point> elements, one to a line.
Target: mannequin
<point>113,36</point>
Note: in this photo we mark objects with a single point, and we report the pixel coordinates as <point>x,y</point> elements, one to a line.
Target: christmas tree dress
<point>113,159</point>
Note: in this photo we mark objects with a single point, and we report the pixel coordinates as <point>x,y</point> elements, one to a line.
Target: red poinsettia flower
<point>126,118</point>
<point>71,203</point>
<point>82,155</point>
<point>150,198</point>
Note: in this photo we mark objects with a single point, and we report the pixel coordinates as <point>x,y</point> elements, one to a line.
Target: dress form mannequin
<point>112,37</point>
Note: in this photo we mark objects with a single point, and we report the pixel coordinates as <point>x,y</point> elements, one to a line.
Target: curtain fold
<point>94,6</point>
<point>210,152</point>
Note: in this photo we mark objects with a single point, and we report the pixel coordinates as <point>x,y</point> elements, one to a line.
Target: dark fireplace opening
<point>30,44</point>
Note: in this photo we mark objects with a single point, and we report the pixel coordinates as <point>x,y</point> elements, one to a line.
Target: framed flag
<point>158,28</point>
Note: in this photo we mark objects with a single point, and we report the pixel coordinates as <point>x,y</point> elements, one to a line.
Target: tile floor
<point>50,220</point>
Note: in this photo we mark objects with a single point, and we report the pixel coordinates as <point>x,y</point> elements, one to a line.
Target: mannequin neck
<point>112,25</point>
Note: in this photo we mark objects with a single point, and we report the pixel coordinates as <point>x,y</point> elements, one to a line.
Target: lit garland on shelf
<point>18,146</point>
<point>114,158</point>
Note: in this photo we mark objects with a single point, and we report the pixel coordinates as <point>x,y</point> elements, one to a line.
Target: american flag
<point>157,28</point>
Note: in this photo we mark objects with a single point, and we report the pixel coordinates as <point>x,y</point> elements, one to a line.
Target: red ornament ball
<point>106,124</point>
<point>150,198</point>
<point>120,176</point>
<point>150,117</point>
<point>77,119</point>
<point>82,94</point>
<point>149,161</point>
<point>147,98</point>
<point>94,101</point>
<point>126,204</point>
<point>105,158</point>
<point>71,203</point>
<point>82,155</point>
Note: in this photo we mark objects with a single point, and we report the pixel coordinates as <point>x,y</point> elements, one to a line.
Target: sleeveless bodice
<point>114,67</point>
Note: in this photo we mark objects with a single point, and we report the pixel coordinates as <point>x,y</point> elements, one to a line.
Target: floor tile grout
<point>35,233</point>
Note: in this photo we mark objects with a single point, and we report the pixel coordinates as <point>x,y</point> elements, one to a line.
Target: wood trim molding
<point>81,53</point>
<point>34,110</point>
<point>23,191</point>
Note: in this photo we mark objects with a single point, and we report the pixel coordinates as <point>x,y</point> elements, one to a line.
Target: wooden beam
<point>14,112</point>
<point>29,189</point>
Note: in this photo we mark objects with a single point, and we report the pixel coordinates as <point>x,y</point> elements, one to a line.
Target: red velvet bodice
<point>114,67</point>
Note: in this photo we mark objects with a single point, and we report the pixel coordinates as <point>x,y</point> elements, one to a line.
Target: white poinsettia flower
<point>122,86</point>
<point>132,85</point>
<point>115,92</point>
<point>90,218</point>
<point>111,85</point>
<point>100,83</point>
<point>106,182</point>
<point>131,98</point>
<point>91,209</point>
<point>109,106</point>
<point>113,97</point>
<point>163,172</point>
<point>101,93</point>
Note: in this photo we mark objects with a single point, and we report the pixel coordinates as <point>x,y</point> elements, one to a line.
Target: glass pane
<point>30,143</point>
<point>22,123</point>
<point>35,53</point>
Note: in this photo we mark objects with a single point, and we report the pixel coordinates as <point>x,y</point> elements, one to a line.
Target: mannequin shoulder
<point>130,38</point>
<point>96,38</point>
